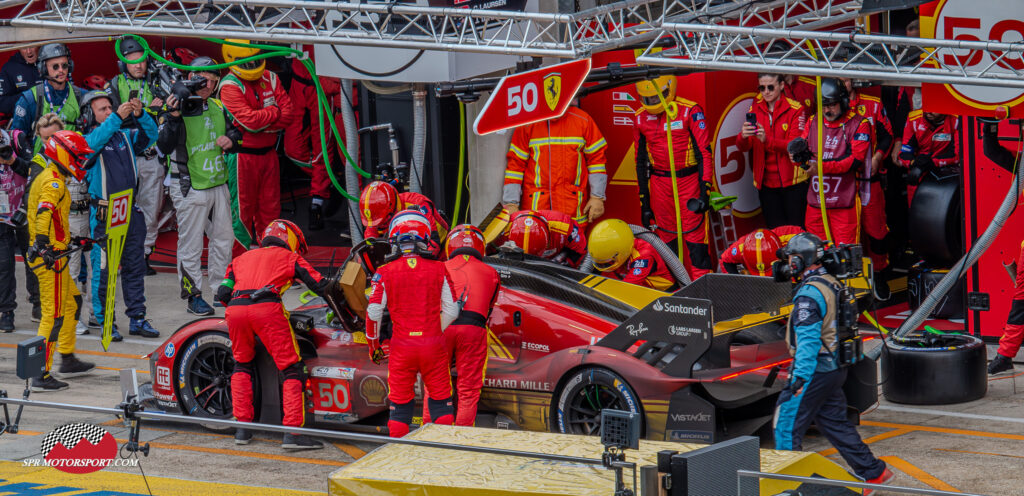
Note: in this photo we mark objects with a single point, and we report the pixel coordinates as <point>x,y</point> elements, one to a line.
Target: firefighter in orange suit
<point>558,164</point>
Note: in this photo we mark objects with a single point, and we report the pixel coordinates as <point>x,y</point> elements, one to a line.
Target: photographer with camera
<point>134,82</point>
<point>113,170</point>
<point>55,94</point>
<point>14,172</point>
<point>774,120</point>
<point>261,108</point>
<point>64,156</point>
<point>929,143</point>
<point>194,136</point>
<point>821,327</point>
<point>847,148</point>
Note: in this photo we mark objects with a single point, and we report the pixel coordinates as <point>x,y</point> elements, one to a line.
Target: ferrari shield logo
<point>552,89</point>
<point>411,262</point>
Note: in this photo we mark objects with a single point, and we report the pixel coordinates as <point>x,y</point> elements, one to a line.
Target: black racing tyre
<point>584,394</point>
<point>204,377</point>
<point>934,370</point>
<point>764,333</point>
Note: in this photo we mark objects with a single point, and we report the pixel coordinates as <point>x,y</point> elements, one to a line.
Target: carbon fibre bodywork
<point>550,327</point>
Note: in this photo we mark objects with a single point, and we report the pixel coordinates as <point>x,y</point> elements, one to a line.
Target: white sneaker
<point>81,328</point>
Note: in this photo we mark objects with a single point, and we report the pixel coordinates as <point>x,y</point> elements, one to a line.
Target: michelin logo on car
<point>680,308</point>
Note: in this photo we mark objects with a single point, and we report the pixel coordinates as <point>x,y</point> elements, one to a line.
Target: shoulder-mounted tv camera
<point>842,261</point>
<point>167,81</point>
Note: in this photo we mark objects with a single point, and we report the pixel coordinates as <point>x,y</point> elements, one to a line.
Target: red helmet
<point>286,232</point>
<point>69,150</point>
<point>464,236</point>
<point>407,228</point>
<point>377,203</point>
<point>94,82</point>
<point>759,249</point>
<point>529,231</point>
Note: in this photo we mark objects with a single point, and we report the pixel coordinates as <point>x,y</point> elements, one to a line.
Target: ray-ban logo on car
<point>636,330</point>
<point>683,309</point>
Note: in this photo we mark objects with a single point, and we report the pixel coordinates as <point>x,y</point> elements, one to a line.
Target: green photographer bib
<point>205,159</point>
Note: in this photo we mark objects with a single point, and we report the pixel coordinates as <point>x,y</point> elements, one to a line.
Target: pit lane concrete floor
<point>974,447</point>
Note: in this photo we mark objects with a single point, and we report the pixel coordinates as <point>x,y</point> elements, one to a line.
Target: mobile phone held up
<point>135,94</point>
<point>752,119</point>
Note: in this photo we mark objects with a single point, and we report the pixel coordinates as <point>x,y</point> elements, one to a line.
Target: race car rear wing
<point>673,333</point>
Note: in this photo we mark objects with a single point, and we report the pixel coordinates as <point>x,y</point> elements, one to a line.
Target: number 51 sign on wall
<point>531,96</point>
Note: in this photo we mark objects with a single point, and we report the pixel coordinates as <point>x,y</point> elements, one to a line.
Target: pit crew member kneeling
<point>251,291</point>
<point>816,334</point>
<point>417,291</point>
<point>754,253</point>
<point>616,252</point>
<point>548,234</point>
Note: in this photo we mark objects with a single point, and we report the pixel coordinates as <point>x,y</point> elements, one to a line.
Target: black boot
<point>47,383</point>
<point>316,216</point>
<point>1000,364</point>
<point>242,436</point>
<point>71,366</point>
<point>150,271</point>
<point>300,442</point>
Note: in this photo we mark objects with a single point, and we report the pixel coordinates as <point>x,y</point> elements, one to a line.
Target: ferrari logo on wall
<point>552,88</point>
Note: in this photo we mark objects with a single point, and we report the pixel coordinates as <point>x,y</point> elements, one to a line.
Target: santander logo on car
<point>680,308</point>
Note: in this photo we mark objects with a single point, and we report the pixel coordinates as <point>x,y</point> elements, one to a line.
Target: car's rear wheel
<point>585,393</point>
<point>204,377</point>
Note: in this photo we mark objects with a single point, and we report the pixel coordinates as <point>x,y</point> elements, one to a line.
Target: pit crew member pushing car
<point>417,291</point>
<point>549,234</point>
<point>251,293</point>
<point>754,253</point>
<point>815,391</point>
<point>476,286</point>
<point>617,253</point>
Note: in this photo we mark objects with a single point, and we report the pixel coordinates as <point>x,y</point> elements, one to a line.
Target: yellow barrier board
<point>411,470</point>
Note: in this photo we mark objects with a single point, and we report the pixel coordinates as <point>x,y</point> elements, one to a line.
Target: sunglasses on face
<point>64,66</point>
<point>762,88</point>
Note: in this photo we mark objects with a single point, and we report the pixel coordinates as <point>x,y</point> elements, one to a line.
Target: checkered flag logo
<point>79,448</point>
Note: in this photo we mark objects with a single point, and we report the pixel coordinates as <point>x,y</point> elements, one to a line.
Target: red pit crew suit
<point>302,140</point>
<point>691,149</point>
<point>418,293</point>
<point>260,109</point>
<point>645,267</point>
<point>921,137</point>
<point>847,148</point>
<point>565,236</point>
<point>873,210</point>
<point>252,314</point>
<point>732,258</point>
<point>421,203</point>
<point>781,184</point>
<point>476,285</point>
<point>804,90</point>
<point>553,164</point>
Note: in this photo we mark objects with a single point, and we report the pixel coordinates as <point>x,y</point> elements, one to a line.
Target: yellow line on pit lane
<point>90,352</point>
<point>128,484</point>
<point>915,472</point>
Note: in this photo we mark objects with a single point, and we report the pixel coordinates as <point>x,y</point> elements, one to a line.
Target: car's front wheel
<point>585,393</point>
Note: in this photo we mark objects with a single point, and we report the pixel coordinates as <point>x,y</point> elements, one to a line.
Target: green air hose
<point>269,51</point>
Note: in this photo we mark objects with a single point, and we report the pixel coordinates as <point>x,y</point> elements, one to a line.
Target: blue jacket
<point>25,109</point>
<point>16,76</point>
<point>809,310</point>
<point>112,168</point>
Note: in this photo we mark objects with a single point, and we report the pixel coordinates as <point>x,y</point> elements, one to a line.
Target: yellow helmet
<point>648,90</point>
<point>610,244</point>
<point>249,71</point>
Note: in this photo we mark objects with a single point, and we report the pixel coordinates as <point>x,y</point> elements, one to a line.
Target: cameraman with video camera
<point>134,82</point>
<point>847,148</point>
<point>14,172</point>
<point>821,335</point>
<point>194,136</point>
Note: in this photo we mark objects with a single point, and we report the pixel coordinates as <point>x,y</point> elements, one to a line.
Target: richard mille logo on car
<point>680,308</point>
<point>515,384</point>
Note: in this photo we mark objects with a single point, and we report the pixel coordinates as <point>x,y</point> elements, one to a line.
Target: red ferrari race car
<point>703,364</point>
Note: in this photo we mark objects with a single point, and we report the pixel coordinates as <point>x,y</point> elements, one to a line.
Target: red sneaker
<point>886,476</point>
